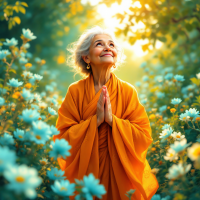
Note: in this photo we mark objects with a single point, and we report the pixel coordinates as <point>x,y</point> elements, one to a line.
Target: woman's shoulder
<point>76,86</point>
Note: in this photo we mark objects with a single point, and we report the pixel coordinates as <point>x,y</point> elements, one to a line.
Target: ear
<point>86,59</point>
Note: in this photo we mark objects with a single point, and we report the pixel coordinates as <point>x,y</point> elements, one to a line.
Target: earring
<point>88,66</point>
<point>114,66</point>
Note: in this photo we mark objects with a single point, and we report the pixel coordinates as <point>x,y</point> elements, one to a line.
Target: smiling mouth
<point>106,55</point>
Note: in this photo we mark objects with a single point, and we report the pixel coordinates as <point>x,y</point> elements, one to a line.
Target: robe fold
<point>115,155</point>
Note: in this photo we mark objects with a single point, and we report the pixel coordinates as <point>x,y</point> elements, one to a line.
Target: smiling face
<point>102,51</point>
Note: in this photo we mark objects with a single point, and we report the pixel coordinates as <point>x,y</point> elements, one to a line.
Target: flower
<point>160,95</point>
<point>28,34</point>
<point>52,111</point>
<point>169,76</point>
<point>198,75</point>
<point>63,188</point>
<point>19,134</point>
<point>41,132</point>
<point>14,83</point>
<point>27,74</point>
<point>27,45</point>
<point>36,107</point>
<point>145,78</point>
<point>165,134</point>
<point>175,171</point>
<point>179,146</point>
<point>184,117</point>
<point>4,53</point>
<point>16,95</point>
<point>49,88</point>
<point>44,161</point>
<point>177,136</point>
<point>171,155</point>
<point>192,112</point>
<point>172,110</point>
<point>156,197</point>
<point>28,85</point>
<point>7,158</point>
<point>138,84</point>
<point>3,91</point>
<point>26,94</point>
<point>28,65</point>
<point>56,174</point>
<point>179,78</point>
<point>54,130</point>
<point>37,98</point>
<point>163,108</point>
<point>6,139</point>
<point>37,60</point>
<point>11,42</point>
<point>166,126</point>
<point>176,101</point>
<point>23,60</point>
<point>91,187</point>
<point>194,151</point>
<point>60,149</point>
<point>42,105</point>
<point>23,179</point>
<point>2,101</point>
<point>36,77</point>
<point>29,115</point>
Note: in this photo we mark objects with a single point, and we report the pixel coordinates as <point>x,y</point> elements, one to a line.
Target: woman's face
<point>102,51</point>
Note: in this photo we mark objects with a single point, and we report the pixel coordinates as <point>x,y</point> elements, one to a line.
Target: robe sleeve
<point>131,135</point>
<point>79,133</point>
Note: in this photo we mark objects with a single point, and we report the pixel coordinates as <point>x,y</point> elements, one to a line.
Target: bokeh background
<point>161,41</point>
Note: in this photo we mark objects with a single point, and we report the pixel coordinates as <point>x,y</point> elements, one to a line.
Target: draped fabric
<point>115,155</point>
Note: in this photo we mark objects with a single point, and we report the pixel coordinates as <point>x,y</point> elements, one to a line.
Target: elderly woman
<point>104,122</point>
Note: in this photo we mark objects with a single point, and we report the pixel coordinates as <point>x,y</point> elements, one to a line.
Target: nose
<point>107,48</point>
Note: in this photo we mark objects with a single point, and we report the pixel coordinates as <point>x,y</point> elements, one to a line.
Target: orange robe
<point>115,155</point>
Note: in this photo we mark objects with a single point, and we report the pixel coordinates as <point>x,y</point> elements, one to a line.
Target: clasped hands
<point>104,108</point>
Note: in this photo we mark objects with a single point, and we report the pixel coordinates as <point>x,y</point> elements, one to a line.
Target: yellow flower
<point>43,62</point>
<point>16,95</point>
<point>61,59</point>
<point>172,110</point>
<point>198,118</point>
<point>28,85</point>
<point>28,65</point>
<point>152,116</point>
<point>194,151</point>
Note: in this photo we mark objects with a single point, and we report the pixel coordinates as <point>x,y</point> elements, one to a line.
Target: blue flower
<point>41,132</point>
<point>26,94</point>
<point>4,53</point>
<point>6,139</point>
<point>169,76</point>
<point>92,187</point>
<point>158,78</point>
<point>143,64</point>
<point>36,107</point>
<point>166,198</point>
<point>14,83</point>
<point>23,179</point>
<point>54,130</point>
<point>175,171</point>
<point>180,67</point>
<point>56,174</point>
<point>2,101</point>
<point>63,188</point>
<point>184,117</point>
<point>160,95</point>
<point>37,60</point>
<point>22,54</point>
<point>145,78</point>
<point>54,84</point>
<point>49,88</point>
<point>43,94</point>
<point>166,126</point>
<point>27,74</point>
<point>55,103</point>
<point>29,115</point>
<point>156,197</point>
<point>179,77</point>
<point>35,77</point>
<point>23,60</point>
<point>19,134</point>
<point>27,45</point>
<point>143,101</point>
<point>7,158</point>
<point>11,42</point>
<point>28,34</point>
<point>192,112</point>
<point>3,91</point>
<point>163,108</point>
<point>138,83</point>
<point>60,149</point>
<point>52,111</point>
<point>165,134</point>
<point>198,140</point>
<point>29,55</point>
<point>180,145</point>
<point>176,101</point>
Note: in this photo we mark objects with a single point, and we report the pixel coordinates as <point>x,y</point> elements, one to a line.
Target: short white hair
<point>81,48</point>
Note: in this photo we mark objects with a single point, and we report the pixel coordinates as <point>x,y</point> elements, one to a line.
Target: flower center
<point>63,188</point>
<point>20,179</point>
<point>38,137</point>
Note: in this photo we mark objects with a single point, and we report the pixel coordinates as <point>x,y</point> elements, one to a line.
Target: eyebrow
<point>102,40</point>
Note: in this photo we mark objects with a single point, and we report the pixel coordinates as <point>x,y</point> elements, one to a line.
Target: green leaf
<point>162,39</point>
<point>1,86</point>
<point>24,4</point>
<point>13,70</point>
<point>1,79</point>
<point>17,19</point>
<point>10,25</point>
<point>174,36</point>
<point>22,9</point>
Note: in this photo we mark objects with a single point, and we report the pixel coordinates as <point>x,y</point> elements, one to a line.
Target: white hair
<point>81,48</point>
